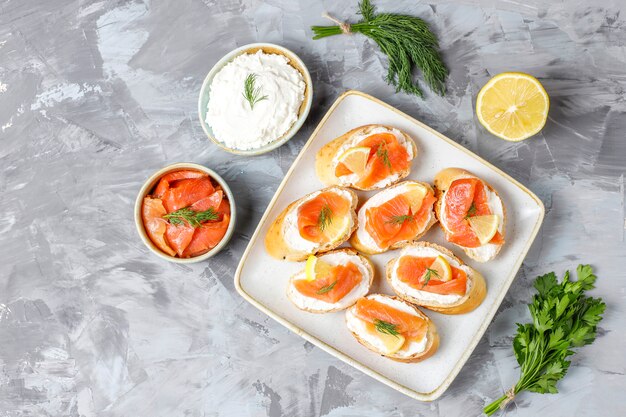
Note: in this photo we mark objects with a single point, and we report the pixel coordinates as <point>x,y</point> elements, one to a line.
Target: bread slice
<point>314,305</point>
<point>278,245</point>
<point>443,179</point>
<point>385,195</point>
<point>472,299</point>
<point>325,160</point>
<point>432,336</point>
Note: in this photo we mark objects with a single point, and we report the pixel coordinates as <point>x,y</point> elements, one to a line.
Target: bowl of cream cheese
<point>255,99</point>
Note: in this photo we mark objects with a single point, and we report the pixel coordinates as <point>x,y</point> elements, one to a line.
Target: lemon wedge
<point>513,106</point>
<point>336,228</point>
<point>440,270</point>
<point>355,159</point>
<point>390,343</point>
<point>315,267</point>
<point>415,194</point>
<point>485,227</point>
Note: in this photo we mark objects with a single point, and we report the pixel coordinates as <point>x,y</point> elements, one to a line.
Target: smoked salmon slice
<point>332,288</point>
<point>206,237</point>
<point>152,212</point>
<point>186,192</point>
<point>393,221</point>
<point>319,217</point>
<point>168,179</point>
<point>466,197</point>
<point>412,270</point>
<point>370,310</point>
<point>387,157</point>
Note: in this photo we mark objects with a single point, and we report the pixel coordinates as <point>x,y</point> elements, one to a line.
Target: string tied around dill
<point>344,26</point>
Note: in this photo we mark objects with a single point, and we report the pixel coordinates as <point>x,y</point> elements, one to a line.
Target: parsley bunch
<point>563,318</point>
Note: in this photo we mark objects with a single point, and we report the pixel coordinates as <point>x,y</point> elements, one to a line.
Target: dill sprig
<point>383,154</point>
<point>386,327</point>
<point>326,289</point>
<point>401,219</point>
<point>251,92</point>
<point>325,218</point>
<point>428,275</point>
<point>471,211</point>
<point>406,40</point>
<point>191,217</point>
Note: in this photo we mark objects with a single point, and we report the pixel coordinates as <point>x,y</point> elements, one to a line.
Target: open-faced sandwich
<point>395,217</point>
<point>318,222</point>
<point>470,213</point>
<point>393,328</point>
<point>366,158</point>
<point>332,281</point>
<point>431,276</point>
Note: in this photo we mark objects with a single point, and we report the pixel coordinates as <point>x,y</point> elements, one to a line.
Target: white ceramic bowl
<point>294,61</point>
<point>149,185</point>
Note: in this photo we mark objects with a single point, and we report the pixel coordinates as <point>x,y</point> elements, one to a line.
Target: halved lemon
<point>355,159</point>
<point>390,343</point>
<point>439,270</point>
<point>513,106</point>
<point>485,227</point>
<point>415,194</point>
<point>315,267</point>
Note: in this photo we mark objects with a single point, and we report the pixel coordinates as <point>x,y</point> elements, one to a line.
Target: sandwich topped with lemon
<point>331,281</point>
<point>430,276</point>
<point>395,217</point>
<point>393,328</point>
<point>318,222</point>
<point>366,158</point>
<point>470,212</point>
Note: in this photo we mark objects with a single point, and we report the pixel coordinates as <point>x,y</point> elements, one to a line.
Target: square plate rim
<point>421,396</point>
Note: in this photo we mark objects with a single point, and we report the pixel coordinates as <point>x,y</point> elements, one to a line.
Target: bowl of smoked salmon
<point>185,213</point>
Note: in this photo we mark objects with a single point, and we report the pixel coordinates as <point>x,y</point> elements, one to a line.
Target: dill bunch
<point>406,40</point>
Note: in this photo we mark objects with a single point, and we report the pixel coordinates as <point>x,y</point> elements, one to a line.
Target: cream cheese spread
<point>236,123</point>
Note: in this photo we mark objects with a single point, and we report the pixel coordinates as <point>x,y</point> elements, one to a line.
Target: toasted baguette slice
<point>476,286</point>
<point>443,180</point>
<point>280,238</point>
<point>327,157</point>
<point>359,330</point>
<point>363,242</point>
<point>334,257</point>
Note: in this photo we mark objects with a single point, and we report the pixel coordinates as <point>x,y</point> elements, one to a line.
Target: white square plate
<point>262,280</point>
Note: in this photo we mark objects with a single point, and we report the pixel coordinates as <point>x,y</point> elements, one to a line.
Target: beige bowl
<point>149,185</point>
<point>268,48</point>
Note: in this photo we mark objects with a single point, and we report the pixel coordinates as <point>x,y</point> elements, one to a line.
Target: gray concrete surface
<point>96,95</point>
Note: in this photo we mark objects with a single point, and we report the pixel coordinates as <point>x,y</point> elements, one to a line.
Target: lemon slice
<point>355,159</point>
<point>415,194</point>
<point>390,343</point>
<point>485,227</point>
<point>440,270</point>
<point>336,228</point>
<point>513,106</point>
<point>315,267</point>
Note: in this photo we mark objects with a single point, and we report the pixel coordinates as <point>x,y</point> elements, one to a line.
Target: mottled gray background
<point>96,95</point>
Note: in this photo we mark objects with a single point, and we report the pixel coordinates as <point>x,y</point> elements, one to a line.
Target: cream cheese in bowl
<point>255,99</point>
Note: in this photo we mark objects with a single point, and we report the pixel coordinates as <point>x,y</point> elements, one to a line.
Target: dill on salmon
<point>325,218</point>
<point>386,327</point>
<point>191,217</point>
